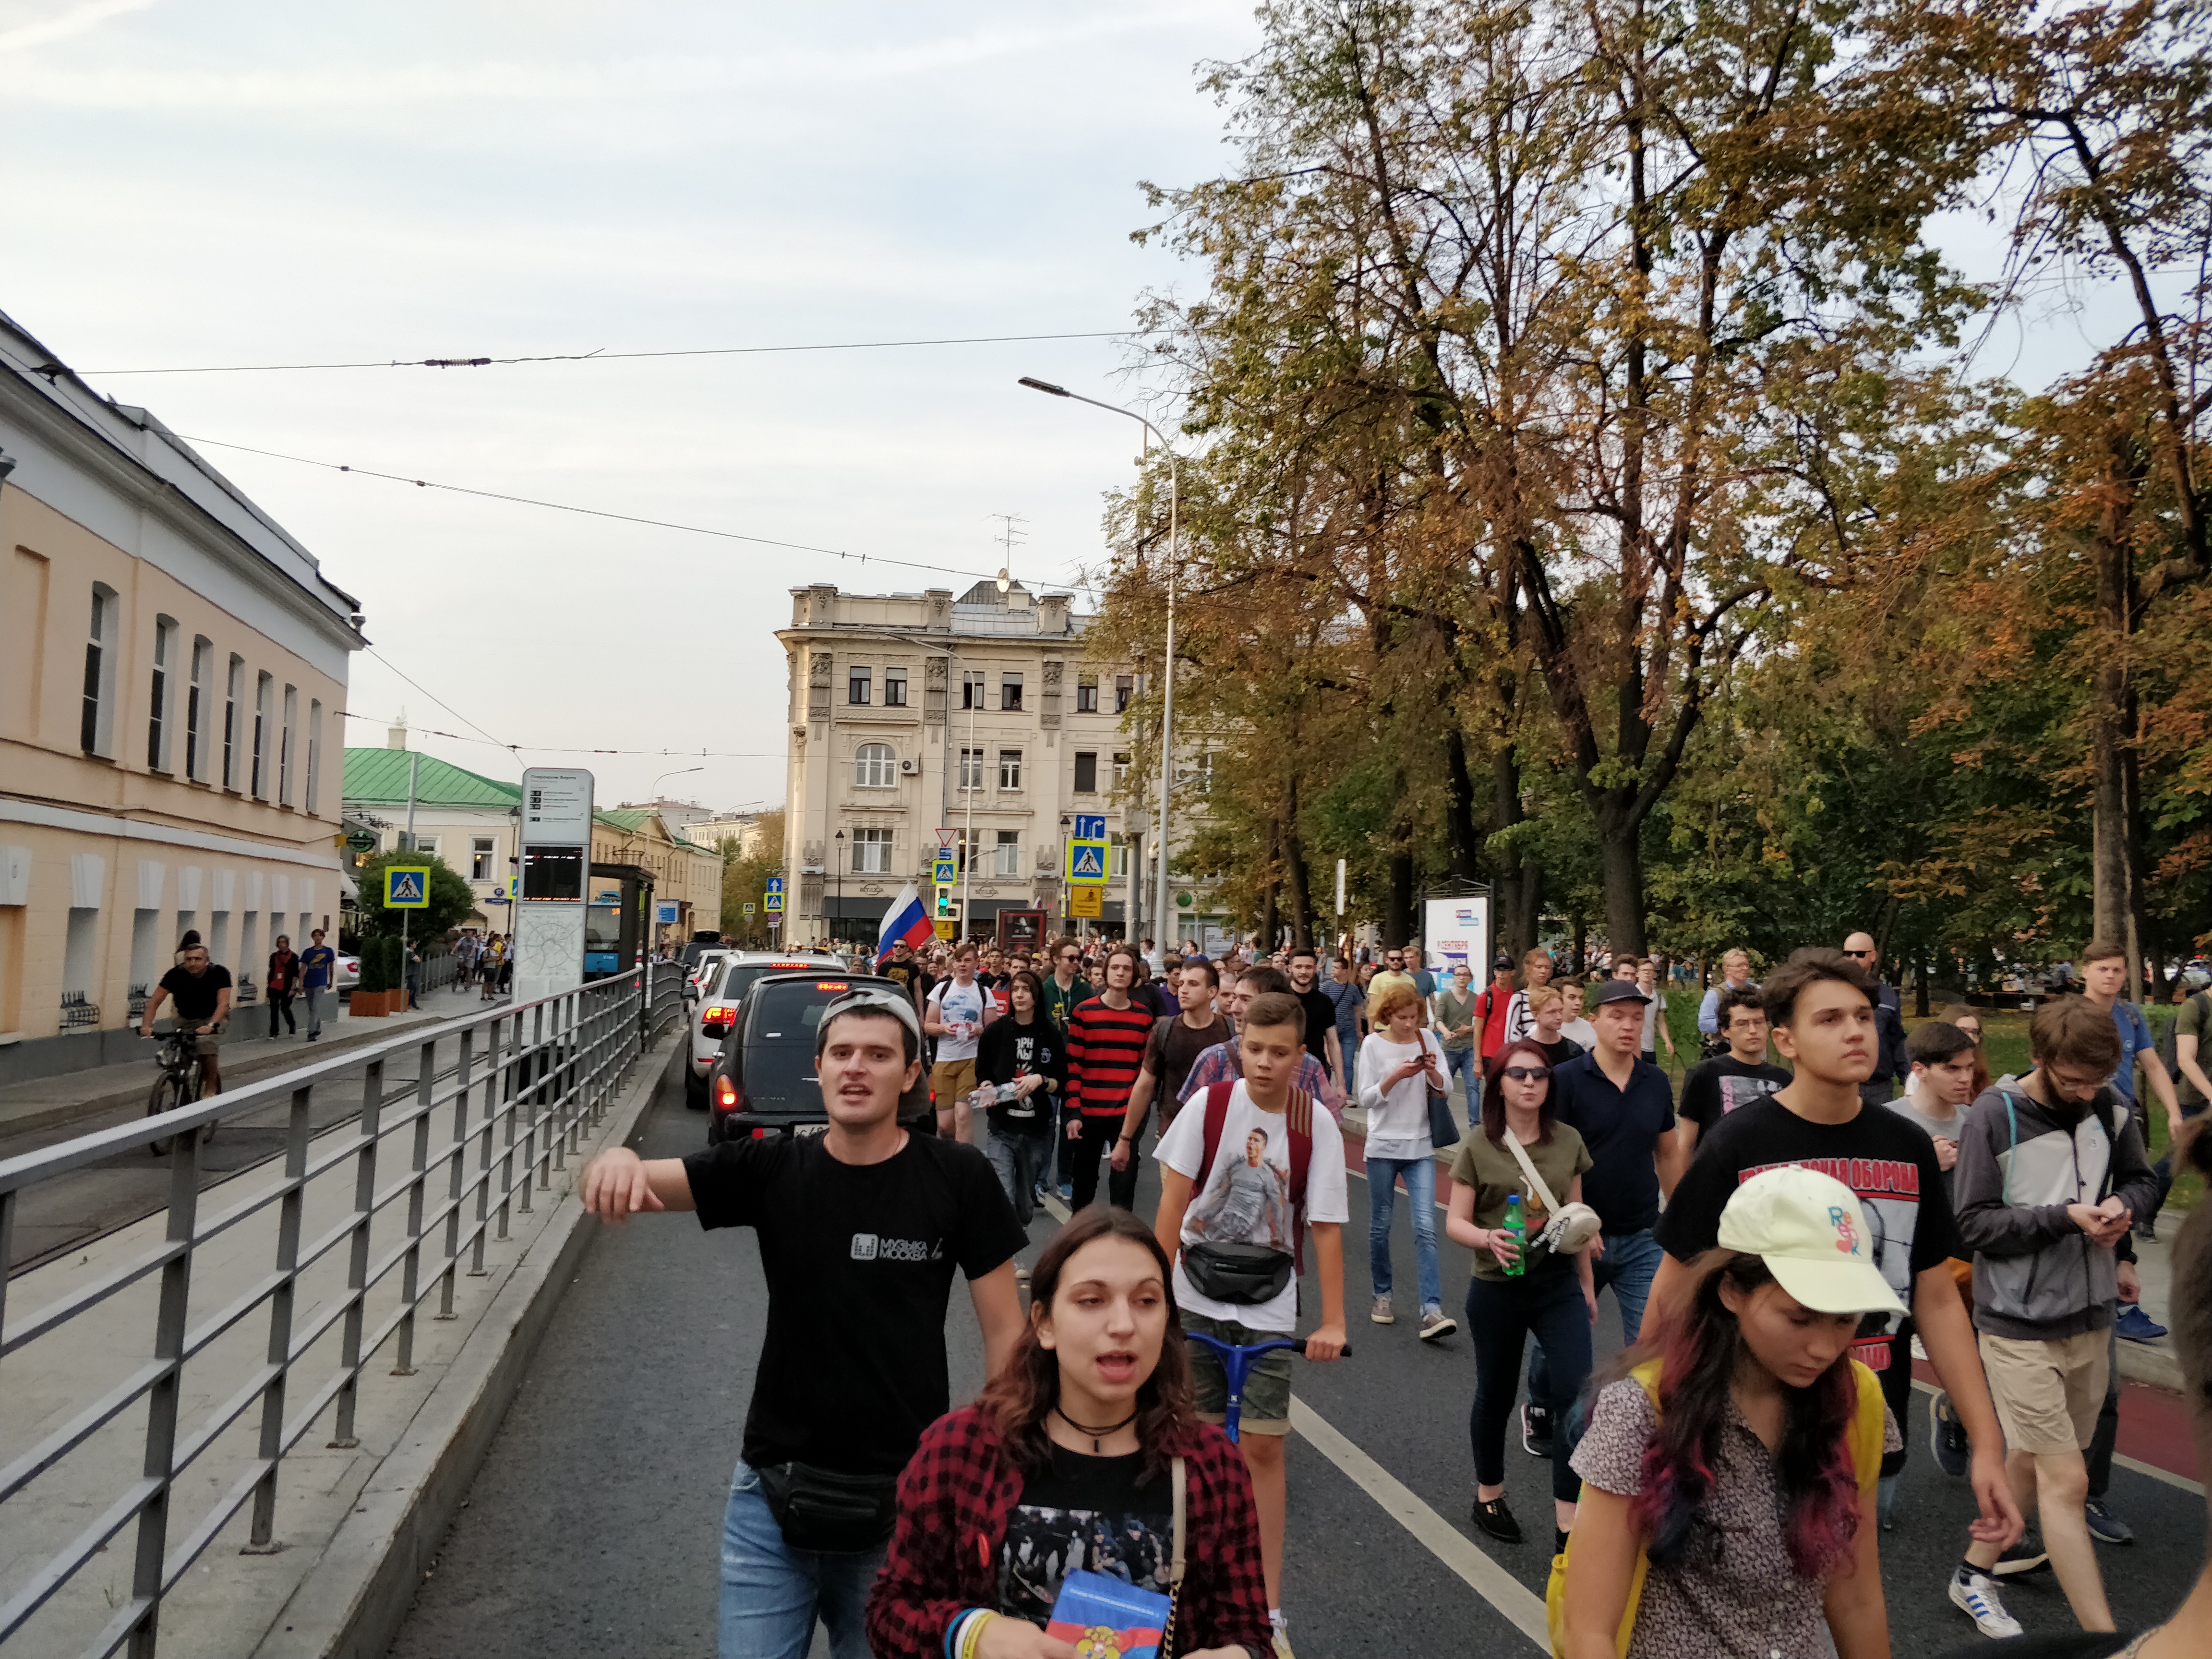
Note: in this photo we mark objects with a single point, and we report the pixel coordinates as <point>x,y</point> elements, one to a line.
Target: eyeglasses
<point>1527,1074</point>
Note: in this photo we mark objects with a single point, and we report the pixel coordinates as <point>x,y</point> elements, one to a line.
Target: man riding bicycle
<point>201,990</point>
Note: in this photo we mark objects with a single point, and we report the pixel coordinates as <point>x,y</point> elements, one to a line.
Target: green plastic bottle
<point>1517,1225</point>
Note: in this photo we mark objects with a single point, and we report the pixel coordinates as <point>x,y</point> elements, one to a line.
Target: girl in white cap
<point>1744,1419</point>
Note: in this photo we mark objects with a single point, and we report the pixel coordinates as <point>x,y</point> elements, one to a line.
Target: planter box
<point>370,1004</point>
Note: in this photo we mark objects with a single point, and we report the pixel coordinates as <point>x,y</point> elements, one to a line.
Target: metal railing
<point>475,1140</point>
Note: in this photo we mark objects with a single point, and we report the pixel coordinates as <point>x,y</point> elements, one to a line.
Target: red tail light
<point>725,1094</point>
<point>760,1134</point>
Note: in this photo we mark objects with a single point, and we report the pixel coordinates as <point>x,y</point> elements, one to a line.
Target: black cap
<point>1504,964</point>
<point>1618,990</point>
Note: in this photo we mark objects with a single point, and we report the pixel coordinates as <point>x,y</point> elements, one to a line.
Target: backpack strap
<point>1868,1424</point>
<point>1217,1115</point>
<point>1298,1115</point>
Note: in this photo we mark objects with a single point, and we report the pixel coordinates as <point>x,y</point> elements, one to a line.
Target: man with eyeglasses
<point>1892,1066</point>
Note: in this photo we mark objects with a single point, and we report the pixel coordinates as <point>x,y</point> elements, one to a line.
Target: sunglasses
<point>1859,953</point>
<point>1527,1074</point>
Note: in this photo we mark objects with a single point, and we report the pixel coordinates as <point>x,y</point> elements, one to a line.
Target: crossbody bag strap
<point>1182,1495</point>
<point>1535,1182</point>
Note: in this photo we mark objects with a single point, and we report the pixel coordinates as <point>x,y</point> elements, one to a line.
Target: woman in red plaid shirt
<point>1065,1463</point>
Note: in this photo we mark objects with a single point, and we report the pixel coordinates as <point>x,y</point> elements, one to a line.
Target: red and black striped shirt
<point>1105,1051</point>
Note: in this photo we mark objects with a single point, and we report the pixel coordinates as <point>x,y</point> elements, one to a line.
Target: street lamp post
<point>839,855</point>
<point>1160,911</point>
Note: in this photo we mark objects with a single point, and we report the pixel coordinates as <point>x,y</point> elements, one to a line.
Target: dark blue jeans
<point>1630,1263</point>
<point>1501,1313</point>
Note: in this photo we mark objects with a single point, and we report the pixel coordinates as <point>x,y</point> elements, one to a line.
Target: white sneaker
<point>1384,1313</point>
<point>1975,1595</point>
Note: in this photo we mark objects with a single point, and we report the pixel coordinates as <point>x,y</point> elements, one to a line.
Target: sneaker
<point>2106,1527</point>
<point>1435,1325</point>
<point>2148,1228</point>
<point>2026,1556</point>
<point>1066,1190</point>
<point>1975,1596</point>
<point>1384,1313</point>
<point>1536,1431</point>
<point>2134,1325</point>
<point>1497,1521</point>
<point>1886,1504</point>
<point>1946,1436</point>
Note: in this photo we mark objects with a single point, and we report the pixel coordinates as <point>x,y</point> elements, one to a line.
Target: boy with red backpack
<point>1244,1168</point>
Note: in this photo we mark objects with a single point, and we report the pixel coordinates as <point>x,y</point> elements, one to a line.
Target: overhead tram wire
<point>603,355</point>
<point>572,748</point>
<point>622,518</point>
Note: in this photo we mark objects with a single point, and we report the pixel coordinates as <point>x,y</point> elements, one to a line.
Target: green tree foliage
<point>451,899</point>
<point>745,881</point>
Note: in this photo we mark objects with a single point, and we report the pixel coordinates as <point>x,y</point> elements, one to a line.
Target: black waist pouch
<point>827,1512</point>
<point>1244,1275</point>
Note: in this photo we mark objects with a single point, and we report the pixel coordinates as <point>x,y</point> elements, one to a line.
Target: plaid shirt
<point>1220,1064</point>
<point>953,1502</point>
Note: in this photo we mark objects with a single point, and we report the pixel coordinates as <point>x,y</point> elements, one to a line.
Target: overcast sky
<point>211,183</point>
<point>240,183</point>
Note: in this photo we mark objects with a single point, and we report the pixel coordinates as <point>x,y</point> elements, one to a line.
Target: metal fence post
<point>536,1053</point>
<point>458,1158</point>
<point>364,1207</point>
<point>162,1399</point>
<point>410,1266</point>
<point>297,1135</point>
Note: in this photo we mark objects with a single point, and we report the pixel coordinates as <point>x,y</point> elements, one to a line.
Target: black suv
<point>764,1082</point>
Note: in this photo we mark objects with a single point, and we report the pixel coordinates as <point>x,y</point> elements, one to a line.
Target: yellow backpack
<point>1867,1434</point>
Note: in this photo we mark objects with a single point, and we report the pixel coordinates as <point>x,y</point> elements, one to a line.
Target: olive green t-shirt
<point>1495,1175</point>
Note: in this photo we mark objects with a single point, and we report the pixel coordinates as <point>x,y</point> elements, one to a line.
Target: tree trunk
<point>1398,924</point>
<point>2116,896</point>
<point>1295,874</point>
<point>1578,930</point>
<point>1516,889</point>
<point>1621,856</point>
<point>1459,807</point>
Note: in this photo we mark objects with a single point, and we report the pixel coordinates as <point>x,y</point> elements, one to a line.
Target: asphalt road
<point>593,1526</point>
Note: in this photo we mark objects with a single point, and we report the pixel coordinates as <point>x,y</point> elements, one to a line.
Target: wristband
<point>956,1633</point>
<point>972,1632</point>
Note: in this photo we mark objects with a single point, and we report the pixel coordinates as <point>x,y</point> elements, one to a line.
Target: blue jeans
<point>1020,1161</point>
<point>1630,1263</point>
<point>772,1594</point>
<point>1420,1175</point>
<point>1501,1314</point>
<point>1465,1064</point>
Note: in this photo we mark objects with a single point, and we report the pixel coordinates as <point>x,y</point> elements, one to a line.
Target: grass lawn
<point>2004,1038</point>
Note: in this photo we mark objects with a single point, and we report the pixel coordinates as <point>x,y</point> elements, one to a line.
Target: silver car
<point>721,992</point>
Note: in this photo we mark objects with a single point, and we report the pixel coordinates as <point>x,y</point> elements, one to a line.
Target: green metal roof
<point>380,774</point>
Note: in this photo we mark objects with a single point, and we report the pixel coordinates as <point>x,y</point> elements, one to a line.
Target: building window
<point>196,703</point>
<point>1120,767</point>
<point>1202,777</point>
<point>1087,772</point>
<point>234,690</point>
<point>481,849</point>
<point>1010,692</point>
<point>1086,694</point>
<point>871,852</point>
<point>315,751</point>
<point>1117,856</point>
<point>894,687</point>
<point>264,717</point>
<point>158,716</point>
<point>965,848</point>
<point>1009,851</point>
<point>971,691</point>
<point>971,768</point>
<point>1125,687</point>
<point>99,671</point>
<point>874,767</point>
<point>856,684</point>
<point>287,744</point>
<point>1010,768</point>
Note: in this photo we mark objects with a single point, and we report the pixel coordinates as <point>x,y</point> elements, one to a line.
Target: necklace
<point>1097,1435</point>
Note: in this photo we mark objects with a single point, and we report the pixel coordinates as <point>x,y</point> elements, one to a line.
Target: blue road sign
<point>946,869</point>
<point>772,898</point>
<point>1089,826</point>
<point>776,883</point>
<point>406,887</point>
<point>1087,861</point>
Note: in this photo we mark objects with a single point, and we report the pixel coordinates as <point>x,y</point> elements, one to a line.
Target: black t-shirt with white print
<point>1888,1161</point>
<point>1720,1086</point>
<point>859,1260</point>
<point>1089,1514</point>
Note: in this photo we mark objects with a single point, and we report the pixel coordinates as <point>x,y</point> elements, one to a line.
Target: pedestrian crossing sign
<point>1087,861</point>
<point>946,869</point>
<point>771,900</point>
<point>406,887</point>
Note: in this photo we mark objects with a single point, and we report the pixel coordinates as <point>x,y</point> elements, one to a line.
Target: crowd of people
<point>1826,1200</point>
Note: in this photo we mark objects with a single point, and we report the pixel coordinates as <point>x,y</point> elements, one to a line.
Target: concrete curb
<point>352,1602</point>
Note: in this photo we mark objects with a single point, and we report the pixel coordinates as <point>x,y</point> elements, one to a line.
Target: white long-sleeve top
<point>1398,1118</point>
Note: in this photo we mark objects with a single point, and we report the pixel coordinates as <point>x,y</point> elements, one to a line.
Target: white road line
<point>2121,1458</point>
<point>1520,1605</point>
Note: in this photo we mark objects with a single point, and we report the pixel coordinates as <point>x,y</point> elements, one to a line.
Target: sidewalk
<point>78,1099</point>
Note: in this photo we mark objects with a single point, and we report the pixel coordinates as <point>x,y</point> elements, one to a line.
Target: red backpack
<point>1299,1114</point>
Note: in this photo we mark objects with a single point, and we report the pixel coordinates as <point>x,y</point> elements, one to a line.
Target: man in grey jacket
<point>2050,1177</point>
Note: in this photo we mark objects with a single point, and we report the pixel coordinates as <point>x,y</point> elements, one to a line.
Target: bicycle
<point>177,1084</point>
<point>1237,1363</point>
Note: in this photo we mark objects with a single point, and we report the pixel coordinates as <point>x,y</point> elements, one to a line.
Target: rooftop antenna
<point>1011,534</point>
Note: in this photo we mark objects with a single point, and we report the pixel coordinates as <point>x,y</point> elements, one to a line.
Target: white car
<point>703,972</point>
<point>722,991</point>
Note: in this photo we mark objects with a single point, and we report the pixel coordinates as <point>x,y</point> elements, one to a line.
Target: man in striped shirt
<point>1105,1051</point>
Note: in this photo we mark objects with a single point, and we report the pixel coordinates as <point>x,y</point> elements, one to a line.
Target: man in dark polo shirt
<point>1622,1106</point>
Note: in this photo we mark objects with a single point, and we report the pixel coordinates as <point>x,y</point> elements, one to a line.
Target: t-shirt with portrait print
<point>1723,1084</point>
<point>1084,1514</point>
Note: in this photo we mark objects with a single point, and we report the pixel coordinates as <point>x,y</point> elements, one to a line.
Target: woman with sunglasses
<point>1069,1460</point>
<point>1553,1296</point>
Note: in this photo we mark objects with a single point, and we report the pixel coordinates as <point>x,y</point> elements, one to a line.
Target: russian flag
<point>906,920</point>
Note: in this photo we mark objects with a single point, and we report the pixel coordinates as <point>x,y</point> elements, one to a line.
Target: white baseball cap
<point>1808,1228</point>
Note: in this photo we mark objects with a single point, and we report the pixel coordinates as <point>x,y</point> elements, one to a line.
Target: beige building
<point>172,680</point>
<point>982,717</point>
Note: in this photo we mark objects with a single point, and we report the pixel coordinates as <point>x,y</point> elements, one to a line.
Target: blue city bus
<point>603,935</point>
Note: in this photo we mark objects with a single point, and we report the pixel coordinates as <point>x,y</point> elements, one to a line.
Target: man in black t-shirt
<point>1717,1086</point>
<point>1320,1015</point>
<point>1171,1049</point>
<point>201,990</point>
<point>1822,1008</point>
<point>861,1230</point>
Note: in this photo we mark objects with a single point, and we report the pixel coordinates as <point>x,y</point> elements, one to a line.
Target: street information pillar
<point>556,856</point>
